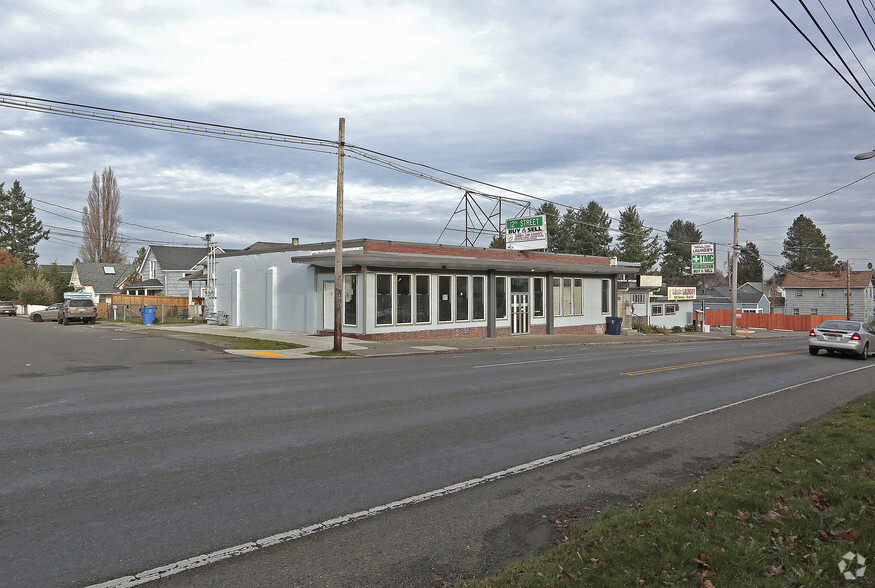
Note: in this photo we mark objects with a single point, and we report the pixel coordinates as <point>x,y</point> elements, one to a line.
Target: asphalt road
<point>122,452</point>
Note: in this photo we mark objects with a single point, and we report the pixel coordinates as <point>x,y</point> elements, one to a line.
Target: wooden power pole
<point>338,246</point>
<point>733,284</point>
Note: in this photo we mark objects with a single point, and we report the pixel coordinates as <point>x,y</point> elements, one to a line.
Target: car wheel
<point>865,353</point>
<point>36,318</point>
<point>813,350</point>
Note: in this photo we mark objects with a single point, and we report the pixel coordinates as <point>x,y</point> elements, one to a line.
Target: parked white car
<point>852,337</point>
<point>49,313</point>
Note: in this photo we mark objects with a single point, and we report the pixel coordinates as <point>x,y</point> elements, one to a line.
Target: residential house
<point>835,293</point>
<point>749,299</point>
<point>165,269</point>
<point>395,290</point>
<point>101,280</point>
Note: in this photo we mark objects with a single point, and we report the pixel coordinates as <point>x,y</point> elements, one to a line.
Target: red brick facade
<point>469,333</point>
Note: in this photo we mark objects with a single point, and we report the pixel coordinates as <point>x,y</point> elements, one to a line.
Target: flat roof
<point>413,261</point>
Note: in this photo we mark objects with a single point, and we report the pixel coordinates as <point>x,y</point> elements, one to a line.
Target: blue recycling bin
<point>613,325</point>
<point>148,314</point>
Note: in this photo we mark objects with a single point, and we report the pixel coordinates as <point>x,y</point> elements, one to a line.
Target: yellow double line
<point>669,368</point>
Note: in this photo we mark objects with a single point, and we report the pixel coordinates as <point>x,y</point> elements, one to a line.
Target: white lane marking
<point>222,554</point>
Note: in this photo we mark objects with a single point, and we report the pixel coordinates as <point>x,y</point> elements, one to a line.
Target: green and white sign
<point>526,233</point>
<point>702,261</point>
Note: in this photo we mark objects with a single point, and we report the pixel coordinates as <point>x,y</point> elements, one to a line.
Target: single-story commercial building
<point>394,290</point>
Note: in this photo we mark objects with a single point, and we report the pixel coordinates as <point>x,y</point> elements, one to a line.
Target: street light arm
<point>867,155</point>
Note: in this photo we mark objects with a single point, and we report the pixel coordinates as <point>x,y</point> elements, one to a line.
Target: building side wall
<point>831,301</point>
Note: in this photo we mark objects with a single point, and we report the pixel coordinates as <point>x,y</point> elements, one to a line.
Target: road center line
<point>223,554</point>
<point>669,368</point>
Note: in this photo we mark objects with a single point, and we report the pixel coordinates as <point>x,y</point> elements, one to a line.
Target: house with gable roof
<point>101,280</point>
<point>826,293</point>
<point>165,270</point>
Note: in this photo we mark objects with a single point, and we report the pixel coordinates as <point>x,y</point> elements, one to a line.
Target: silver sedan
<point>49,313</point>
<point>842,337</point>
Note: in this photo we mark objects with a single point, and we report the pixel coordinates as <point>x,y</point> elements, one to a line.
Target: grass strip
<point>234,342</point>
<point>785,515</point>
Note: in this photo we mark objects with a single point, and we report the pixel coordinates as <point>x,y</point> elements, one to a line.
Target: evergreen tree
<point>750,266</point>
<point>635,242</point>
<point>60,281</point>
<point>498,242</point>
<point>20,231</point>
<point>555,238</point>
<point>806,249</point>
<point>587,230</point>
<point>677,253</point>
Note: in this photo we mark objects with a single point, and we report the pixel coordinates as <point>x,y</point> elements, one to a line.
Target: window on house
<point>462,298</point>
<point>638,298</point>
<point>108,270</point>
<point>539,297</point>
<point>822,293</point>
<point>671,309</point>
<point>423,305</point>
<point>656,310</point>
<point>445,300</point>
<point>606,296</point>
<point>795,311</point>
<point>813,311</point>
<point>350,301</point>
<point>403,299</point>
<point>153,269</point>
<point>799,293</point>
<point>500,298</point>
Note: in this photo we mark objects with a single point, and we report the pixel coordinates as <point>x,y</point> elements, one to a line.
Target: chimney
<point>295,240</point>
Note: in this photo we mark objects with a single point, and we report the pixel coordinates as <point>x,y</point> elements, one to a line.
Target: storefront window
<point>500,298</point>
<point>606,296</point>
<point>423,305</point>
<point>461,298</point>
<point>478,308</point>
<point>350,301</point>
<point>578,296</point>
<point>539,297</point>
<point>557,297</point>
<point>384,299</point>
<point>403,298</point>
<point>445,302</point>
<point>567,307</point>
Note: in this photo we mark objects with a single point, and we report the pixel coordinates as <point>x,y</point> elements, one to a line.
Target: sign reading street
<point>702,260</point>
<point>526,233</point>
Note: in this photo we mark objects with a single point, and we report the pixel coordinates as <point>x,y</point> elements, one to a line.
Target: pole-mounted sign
<point>526,233</point>
<point>702,260</point>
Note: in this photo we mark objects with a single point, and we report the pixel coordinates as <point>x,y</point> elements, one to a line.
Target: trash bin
<point>148,314</point>
<point>613,324</point>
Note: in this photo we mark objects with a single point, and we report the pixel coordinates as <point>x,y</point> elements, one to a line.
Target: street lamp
<point>867,155</point>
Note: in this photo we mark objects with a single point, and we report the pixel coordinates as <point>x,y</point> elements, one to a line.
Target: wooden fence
<point>123,306</point>
<point>753,320</point>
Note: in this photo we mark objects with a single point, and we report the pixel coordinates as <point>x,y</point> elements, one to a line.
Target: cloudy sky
<point>687,110</point>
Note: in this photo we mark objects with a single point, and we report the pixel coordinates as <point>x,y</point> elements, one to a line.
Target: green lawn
<point>784,515</point>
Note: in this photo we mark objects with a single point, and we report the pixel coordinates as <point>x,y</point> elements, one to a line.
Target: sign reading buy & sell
<point>702,261</point>
<point>526,233</point>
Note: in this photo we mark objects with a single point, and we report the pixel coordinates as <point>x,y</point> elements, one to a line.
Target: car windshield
<point>81,303</point>
<point>839,326</point>
<point>4,303</point>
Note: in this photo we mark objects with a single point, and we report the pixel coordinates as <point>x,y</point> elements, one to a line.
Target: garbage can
<point>148,314</point>
<point>613,324</point>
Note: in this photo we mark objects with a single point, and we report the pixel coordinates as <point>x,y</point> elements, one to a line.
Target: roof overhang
<point>412,261</point>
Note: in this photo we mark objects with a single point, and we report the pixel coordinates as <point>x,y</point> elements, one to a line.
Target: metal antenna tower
<point>477,221</point>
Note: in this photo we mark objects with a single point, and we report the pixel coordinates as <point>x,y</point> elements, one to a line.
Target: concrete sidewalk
<point>316,343</point>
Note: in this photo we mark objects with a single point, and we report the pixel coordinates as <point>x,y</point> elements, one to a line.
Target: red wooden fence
<point>787,322</point>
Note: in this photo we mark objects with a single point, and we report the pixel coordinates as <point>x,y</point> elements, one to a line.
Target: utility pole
<point>733,284</point>
<point>210,300</point>
<point>338,246</point>
<point>848,290</point>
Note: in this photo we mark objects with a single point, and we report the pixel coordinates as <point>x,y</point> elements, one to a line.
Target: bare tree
<point>101,221</point>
